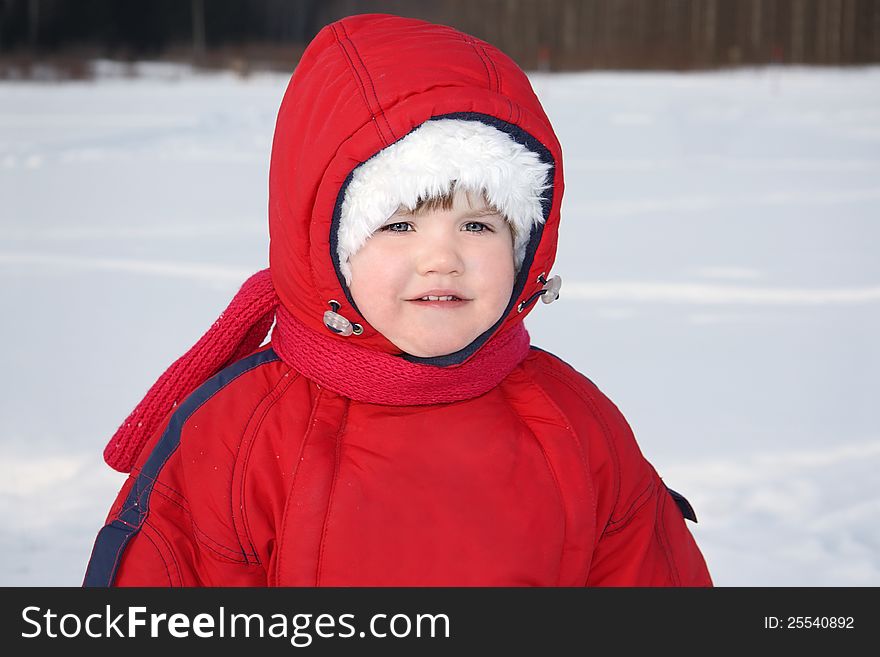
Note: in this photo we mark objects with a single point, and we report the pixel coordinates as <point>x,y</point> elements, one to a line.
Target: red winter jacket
<point>264,477</point>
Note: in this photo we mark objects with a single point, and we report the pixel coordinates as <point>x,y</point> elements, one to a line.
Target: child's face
<point>465,252</point>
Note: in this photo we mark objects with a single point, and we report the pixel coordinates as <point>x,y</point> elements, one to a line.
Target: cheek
<point>375,277</point>
<point>496,272</point>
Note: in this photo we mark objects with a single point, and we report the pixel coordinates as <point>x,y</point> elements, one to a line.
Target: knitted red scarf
<point>344,367</point>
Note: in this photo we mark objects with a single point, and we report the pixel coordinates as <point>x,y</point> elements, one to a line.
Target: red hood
<point>363,83</point>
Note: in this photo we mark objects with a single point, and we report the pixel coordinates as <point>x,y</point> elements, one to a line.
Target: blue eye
<point>397,227</point>
<point>476,227</point>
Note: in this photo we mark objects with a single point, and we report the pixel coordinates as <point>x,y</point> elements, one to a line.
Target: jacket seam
<point>558,487</point>
<point>365,96</point>
<point>202,538</point>
<point>292,489</point>
<point>281,386</point>
<point>509,110</point>
<point>492,64</point>
<point>160,535</point>
<point>663,540</point>
<point>381,112</point>
<point>570,428</point>
<point>117,558</point>
<point>336,461</point>
<point>621,523</point>
<point>359,83</point>
<point>158,552</point>
<point>482,59</point>
<point>125,509</point>
<point>156,482</point>
<point>606,432</point>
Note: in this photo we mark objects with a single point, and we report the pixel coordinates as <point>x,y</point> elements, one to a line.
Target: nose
<point>439,255</point>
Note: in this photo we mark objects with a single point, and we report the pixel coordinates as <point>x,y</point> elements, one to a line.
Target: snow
<point>718,252</point>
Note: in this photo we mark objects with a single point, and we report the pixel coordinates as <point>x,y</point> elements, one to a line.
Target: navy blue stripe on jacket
<point>113,537</point>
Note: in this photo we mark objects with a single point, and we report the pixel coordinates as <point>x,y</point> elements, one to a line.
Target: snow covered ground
<point>719,252</point>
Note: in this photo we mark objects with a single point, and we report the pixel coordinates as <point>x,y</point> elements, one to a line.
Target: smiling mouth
<point>445,298</point>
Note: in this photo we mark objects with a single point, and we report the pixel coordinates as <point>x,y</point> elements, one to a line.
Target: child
<point>398,430</point>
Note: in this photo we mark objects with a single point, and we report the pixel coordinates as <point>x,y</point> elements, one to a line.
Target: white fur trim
<point>422,165</point>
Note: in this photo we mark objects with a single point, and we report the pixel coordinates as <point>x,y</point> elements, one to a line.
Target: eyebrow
<point>471,214</point>
<point>477,214</point>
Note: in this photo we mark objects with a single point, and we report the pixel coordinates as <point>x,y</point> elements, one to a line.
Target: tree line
<point>538,34</point>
